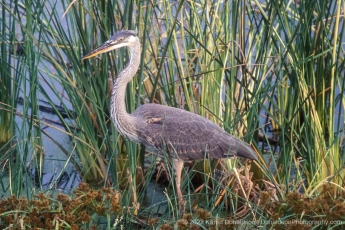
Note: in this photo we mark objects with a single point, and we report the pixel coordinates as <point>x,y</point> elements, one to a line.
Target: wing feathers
<point>186,135</point>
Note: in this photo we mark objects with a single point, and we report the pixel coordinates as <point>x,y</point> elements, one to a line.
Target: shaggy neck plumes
<point>122,120</point>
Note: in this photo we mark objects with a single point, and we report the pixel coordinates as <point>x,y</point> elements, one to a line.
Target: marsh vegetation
<point>269,72</point>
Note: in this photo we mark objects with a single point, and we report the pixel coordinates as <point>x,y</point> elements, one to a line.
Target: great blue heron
<point>182,134</point>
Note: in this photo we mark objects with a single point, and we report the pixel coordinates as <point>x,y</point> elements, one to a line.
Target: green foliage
<point>250,67</point>
<point>6,64</point>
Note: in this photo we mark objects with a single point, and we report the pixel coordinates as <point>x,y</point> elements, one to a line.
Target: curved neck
<point>122,120</point>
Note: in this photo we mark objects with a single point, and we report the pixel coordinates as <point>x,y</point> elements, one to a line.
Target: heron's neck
<point>122,120</point>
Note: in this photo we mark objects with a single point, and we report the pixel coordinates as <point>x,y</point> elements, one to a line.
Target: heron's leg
<point>178,164</point>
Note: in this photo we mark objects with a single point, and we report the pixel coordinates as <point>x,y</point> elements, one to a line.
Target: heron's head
<point>118,40</point>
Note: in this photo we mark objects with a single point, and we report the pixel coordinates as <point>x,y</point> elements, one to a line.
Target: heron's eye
<point>121,39</point>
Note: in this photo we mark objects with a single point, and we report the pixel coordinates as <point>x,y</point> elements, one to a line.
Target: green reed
<point>250,67</point>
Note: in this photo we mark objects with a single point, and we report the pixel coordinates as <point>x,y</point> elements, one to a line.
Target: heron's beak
<point>105,47</point>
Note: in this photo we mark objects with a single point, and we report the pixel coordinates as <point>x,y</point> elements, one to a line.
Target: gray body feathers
<point>185,135</point>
